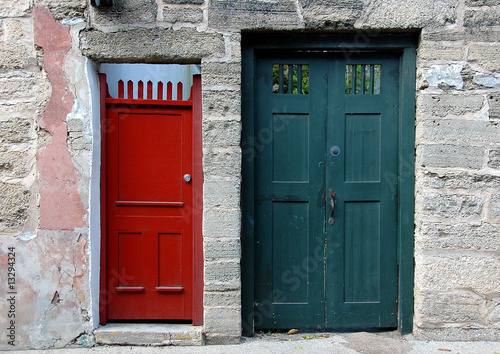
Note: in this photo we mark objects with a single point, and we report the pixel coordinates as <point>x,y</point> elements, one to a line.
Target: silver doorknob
<point>187,177</point>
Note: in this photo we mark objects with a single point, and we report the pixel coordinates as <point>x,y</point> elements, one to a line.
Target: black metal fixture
<point>97,3</point>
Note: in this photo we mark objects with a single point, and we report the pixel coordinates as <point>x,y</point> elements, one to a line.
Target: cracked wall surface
<point>44,208</point>
<point>46,148</point>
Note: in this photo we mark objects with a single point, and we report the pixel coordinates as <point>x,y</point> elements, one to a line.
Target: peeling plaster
<point>487,80</point>
<point>60,204</point>
<point>445,74</point>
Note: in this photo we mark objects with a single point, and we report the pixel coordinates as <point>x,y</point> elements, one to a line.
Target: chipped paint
<point>448,74</point>
<point>61,207</point>
<point>487,80</point>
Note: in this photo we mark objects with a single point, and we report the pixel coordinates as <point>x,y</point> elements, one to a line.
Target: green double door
<point>323,122</point>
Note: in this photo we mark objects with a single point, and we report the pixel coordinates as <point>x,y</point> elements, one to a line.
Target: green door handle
<point>331,219</point>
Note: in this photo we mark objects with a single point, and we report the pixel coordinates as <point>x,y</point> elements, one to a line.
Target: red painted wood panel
<point>197,201</point>
<point>169,252</point>
<point>149,209</point>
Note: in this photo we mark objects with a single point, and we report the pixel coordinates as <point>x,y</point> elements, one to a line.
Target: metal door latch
<point>331,219</point>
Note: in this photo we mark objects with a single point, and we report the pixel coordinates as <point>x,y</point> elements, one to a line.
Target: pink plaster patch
<point>61,207</point>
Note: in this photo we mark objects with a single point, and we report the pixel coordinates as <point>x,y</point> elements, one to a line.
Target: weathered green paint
<point>406,175</point>
<point>298,270</point>
<point>361,248</point>
<point>289,199</point>
<point>308,273</point>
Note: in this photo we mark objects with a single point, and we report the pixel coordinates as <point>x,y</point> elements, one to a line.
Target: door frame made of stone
<point>405,44</point>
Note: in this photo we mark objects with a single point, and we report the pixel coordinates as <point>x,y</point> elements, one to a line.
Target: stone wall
<point>44,172</point>
<point>46,143</point>
<point>458,177</point>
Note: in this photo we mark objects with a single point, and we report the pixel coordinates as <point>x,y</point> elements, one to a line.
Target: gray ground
<point>361,342</point>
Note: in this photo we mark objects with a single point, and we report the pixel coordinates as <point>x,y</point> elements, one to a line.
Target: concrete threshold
<point>149,334</point>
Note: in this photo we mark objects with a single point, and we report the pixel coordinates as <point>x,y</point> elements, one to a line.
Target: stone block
<point>14,8</point>
<point>14,30</point>
<point>221,223</point>
<point>124,12</point>
<point>184,2</point>
<point>222,271</point>
<point>482,34</point>
<point>433,273</point>
<point>495,206</point>
<point>23,86</point>
<point>182,14</point>
<point>215,74</point>
<point>458,180</point>
<point>494,315</point>
<point>449,206</point>
<point>457,236</point>
<point>470,332</point>
<point>494,103</point>
<point>221,194</point>
<point>448,104</point>
<point>221,103</point>
<point>151,45</point>
<point>473,3</point>
<point>16,130</point>
<point>484,16</point>
<point>218,298</point>
<point>222,248</point>
<point>74,125</point>
<point>485,54</point>
<point>468,34</point>
<point>429,51</point>
<point>235,46</point>
<point>222,163</point>
<point>221,133</point>
<point>14,56</point>
<point>222,286</point>
<point>327,14</point>
<point>455,131</point>
<point>402,14</point>
<point>15,204</point>
<point>253,14</point>
<point>487,80</point>
<point>223,320</point>
<point>61,9</point>
<point>444,76</point>
<point>451,156</point>
<point>440,34</point>
<point>494,158</point>
<point>440,308</point>
<point>222,339</point>
<point>14,164</point>
<point>149,334</point>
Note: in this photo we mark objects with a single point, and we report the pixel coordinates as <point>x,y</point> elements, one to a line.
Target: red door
<point>149,211</point>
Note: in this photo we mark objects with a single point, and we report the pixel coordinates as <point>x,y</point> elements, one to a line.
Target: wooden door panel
<point>362,148</point>
<point>308,273</point>
<point>362,252</point>
<point>290,243</point>
<point>143,173</point>
<point>291,143</point>
<point>169,255</point>
<point>129,260</point>
<point>364,124</point>
<point>290,165</point>
<point>149,213</point>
